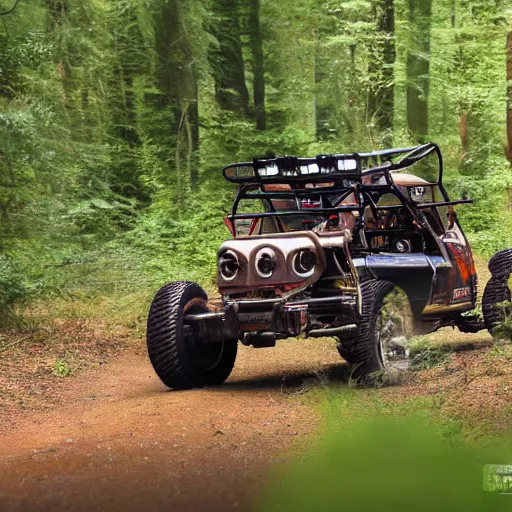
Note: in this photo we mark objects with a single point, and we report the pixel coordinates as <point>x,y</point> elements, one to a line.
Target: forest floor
<point>87,425</point>
<point>114,438</point>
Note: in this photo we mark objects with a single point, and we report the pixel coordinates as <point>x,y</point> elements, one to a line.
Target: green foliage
<point>383,461</point>
<point>504,330</point>
<point>61,368</point>
<point>424,354</point>
<point>113,133</point>
<point>13,285</point>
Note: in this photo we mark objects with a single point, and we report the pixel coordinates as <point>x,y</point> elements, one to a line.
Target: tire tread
<point>361,348</point>
<point>166,348</point>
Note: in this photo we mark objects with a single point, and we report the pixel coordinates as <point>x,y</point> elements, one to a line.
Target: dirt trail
<point>118,440</point>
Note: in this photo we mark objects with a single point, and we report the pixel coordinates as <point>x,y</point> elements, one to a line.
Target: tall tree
<point>129,61</point>
<point>258,64</point>
<point>418,68</point>
<point>326,101</point>
<point>509,97</point>
<point>177,79</point>
<point>58,11</point>
<point>381,70</point>
<point>323,111</point>
<point>228,62</point>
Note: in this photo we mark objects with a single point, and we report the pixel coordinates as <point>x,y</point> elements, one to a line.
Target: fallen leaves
<point>30,362</point>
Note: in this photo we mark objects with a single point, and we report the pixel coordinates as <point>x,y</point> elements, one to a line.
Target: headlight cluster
<point>303,264</point>
<point>265,263</point>
<point>229,266</point>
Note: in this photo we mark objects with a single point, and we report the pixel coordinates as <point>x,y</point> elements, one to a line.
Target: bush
<point>503,331</point>
<point>13,287</point>
<point>383,463</point>
<point>425,355</point>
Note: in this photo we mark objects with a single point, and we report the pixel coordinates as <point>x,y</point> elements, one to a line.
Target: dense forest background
<point>116,117</point>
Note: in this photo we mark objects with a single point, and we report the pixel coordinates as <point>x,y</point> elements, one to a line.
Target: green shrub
<point>425,355</point>
<point>61,368</point>
<point>384,464</point>
<point>13,287</point>
<point>503,331</point>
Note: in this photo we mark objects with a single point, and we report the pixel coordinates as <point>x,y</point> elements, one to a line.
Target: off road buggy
<point>319,247</point>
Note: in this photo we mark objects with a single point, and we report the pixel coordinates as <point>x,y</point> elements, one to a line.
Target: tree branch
<point>11,9</point>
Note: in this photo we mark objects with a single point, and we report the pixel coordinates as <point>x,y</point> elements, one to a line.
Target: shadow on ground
<point>291,380</point>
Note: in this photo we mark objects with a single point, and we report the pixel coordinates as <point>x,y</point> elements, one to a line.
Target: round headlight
<point>265,263</point>
<point>304,263</point>
<point>228,266</point>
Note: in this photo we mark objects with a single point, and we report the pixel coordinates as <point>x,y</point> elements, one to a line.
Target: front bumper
<point>260,322</point>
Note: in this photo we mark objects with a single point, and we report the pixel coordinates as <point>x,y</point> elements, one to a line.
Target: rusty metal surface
<point>284,246</point>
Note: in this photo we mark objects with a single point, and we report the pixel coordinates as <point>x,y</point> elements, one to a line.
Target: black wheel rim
<point>391,332</point>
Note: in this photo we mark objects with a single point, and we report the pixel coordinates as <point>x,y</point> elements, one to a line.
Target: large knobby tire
<point>179,357</point>
<point>497,289</point>
<point>363,349</point>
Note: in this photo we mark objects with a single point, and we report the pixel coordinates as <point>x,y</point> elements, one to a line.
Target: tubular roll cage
<point>345,183</point>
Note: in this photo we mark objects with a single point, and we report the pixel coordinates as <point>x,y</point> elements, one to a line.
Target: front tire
<point>381,331</point>
<point>178,355</point>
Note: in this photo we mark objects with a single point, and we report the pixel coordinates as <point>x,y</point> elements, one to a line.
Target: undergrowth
<point>373,454</point>
<point>504,330</point>
<point>424,354</point>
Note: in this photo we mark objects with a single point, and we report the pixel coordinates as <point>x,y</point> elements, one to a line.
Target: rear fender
<point>413,273</point>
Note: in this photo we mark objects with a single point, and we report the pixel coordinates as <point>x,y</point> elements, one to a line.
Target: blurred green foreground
<point>398,464</point>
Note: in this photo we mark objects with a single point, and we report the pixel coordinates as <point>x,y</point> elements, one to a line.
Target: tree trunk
<point>177,80</point>
<point>228,63</point>
<point>192,100</point>
<point>57,9</point>
<point>322,112</point>
<point>418,68</point>
<point>381,100</point>
<point>509,97</point>
<point>464,139</point>
<point>258,64</point>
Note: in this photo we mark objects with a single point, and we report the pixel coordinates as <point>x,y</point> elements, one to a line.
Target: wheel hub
<point>392,337</point>
<point>204,355</point>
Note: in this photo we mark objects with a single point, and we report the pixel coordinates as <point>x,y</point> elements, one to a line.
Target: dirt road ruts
<point>118,440</point>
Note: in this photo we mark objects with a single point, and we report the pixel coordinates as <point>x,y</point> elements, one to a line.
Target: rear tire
<point>179,357</point>
<point>497,289</point>
<point>365,348</point>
